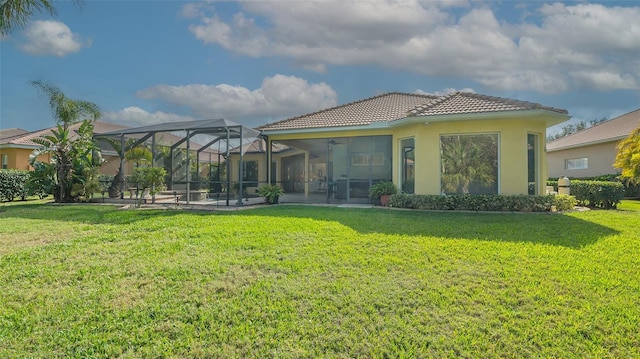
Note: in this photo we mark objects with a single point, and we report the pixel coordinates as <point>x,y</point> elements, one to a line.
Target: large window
<point>577,164</point>
<point>469,163</point>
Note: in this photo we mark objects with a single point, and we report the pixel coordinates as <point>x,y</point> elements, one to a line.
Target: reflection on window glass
<point>408,166</point>
<point>469,164</point>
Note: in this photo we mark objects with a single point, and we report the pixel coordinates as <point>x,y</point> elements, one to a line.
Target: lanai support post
<point>122,166</point>
<point>240,172</point>
<point>188,169</point>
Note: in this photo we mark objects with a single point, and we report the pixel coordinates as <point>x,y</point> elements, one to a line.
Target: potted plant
<point>271,193</point>
<point>382,191</point>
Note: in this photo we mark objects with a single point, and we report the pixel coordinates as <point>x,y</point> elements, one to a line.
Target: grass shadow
<point>540,228</point>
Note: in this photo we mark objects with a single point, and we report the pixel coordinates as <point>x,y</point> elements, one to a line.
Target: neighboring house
<point>16,148</point>
<point>458,143</point>
<point>592,151</point>
<point>4,154</point>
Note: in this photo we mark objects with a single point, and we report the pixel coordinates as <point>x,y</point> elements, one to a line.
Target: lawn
<point>301,281</point>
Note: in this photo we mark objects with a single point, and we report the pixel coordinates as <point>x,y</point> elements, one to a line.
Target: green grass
<point>296,281</point>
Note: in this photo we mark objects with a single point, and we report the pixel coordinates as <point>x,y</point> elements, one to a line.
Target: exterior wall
<point>19,157</point>
<point>512,137</point>
<point>600,160</point>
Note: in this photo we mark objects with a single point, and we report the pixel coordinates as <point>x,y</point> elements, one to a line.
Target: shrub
<point>13,185</point>
<point>517,203</point>
<point>601,194</point>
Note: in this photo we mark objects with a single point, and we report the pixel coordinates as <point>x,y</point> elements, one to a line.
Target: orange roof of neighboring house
<point>396,106</point>
<point>26,139</point>
<point>609,131</point>
<point>11,132</point>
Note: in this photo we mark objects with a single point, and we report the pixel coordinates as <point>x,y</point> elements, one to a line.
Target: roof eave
<point>372,126</point>
<point>591,143</point>
<point>551,118</point>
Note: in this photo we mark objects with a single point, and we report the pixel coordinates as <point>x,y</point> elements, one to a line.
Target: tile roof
<point>612,130</point>
<point>11,132</point>
<point>26,139</point>
<point>381,108</point>
<point>396,106</point>
<point>464,103</point>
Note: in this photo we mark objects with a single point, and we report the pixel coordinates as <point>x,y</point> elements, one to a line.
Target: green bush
<point>510,203</point>
<point>13,185</point>
<point>601,194</point>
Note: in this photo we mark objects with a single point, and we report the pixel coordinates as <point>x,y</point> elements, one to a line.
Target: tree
<point>16,13</point>
<point>628,157</point>
<point>73,156</point>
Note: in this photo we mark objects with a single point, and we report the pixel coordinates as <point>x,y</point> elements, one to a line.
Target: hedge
<point>601,194</point>
<point>510,203</point>
<point>13,185</point>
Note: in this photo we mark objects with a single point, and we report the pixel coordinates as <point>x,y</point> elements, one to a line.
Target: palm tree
<point>468,160</point>
<point>16,13</point>
<point>70,154</point>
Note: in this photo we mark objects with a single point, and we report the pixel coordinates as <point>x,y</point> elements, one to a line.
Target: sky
<point>255,62</point>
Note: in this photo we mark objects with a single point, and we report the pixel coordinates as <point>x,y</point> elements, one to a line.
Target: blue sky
<point>255,62</point>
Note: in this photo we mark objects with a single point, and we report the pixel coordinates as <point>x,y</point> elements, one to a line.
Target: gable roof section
<point>11,132</point>
<point>609,131</point>
<point>393,107</point>
<point>381,108</point>
<point>26,139</point>
<point>465,103</point>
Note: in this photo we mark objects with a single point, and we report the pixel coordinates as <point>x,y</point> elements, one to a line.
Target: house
<point>458,143</point>
<point>592,151</point>
<point>17,145</point>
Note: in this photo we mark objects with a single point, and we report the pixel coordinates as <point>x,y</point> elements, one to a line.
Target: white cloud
<point>278,97</point>
<point>135,117</point>
<point>564,47</point>
<point>51,37</point>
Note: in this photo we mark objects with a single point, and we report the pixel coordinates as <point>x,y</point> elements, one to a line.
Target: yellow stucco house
<point>16,146</point>
<point>458,143</point>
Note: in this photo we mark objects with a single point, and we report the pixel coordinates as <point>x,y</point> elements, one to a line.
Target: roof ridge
<point>345,105</point>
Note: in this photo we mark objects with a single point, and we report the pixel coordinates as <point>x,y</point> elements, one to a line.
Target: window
<point>469,164</point>
<point>250,173</point>
<point>407,178</point>
<point>532,163</point>
<point>5,162</point>
<point>577,164</point>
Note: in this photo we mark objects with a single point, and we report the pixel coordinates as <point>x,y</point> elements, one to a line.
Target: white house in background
<point>590,152</point>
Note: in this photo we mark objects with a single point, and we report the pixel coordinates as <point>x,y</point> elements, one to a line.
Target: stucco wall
<point>19,158</point>
<point>512,137</point>
<point>600,158</point>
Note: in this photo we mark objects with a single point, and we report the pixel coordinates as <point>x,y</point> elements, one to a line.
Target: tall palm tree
<point>67,151</point>
<point>17,13</point>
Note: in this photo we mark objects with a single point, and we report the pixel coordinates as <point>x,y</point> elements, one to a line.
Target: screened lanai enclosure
<point>195,156</point>
<point>331,170</point>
